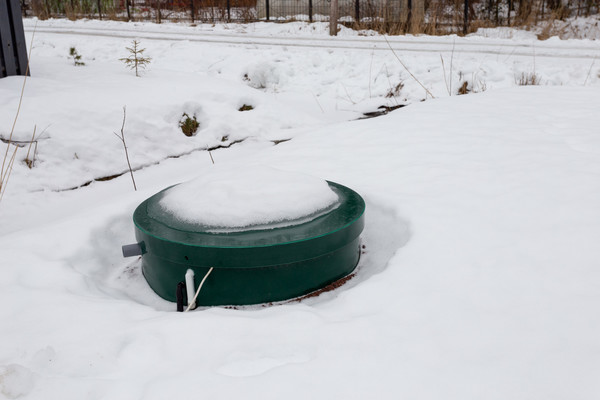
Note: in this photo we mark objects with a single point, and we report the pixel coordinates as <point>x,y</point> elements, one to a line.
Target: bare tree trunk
<point>408,16</point>
<point>333,18</point>
<point>158,14</point>
<point>466,18</point>
<point>267,10</point>
<point>497,12</point>
<point>128,10</point>
<point>417,16</point>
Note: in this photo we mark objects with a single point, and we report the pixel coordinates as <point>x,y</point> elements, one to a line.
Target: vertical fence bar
<point>497,5</point>
<point>466,18</point>
<point>127,5</point>
<point>408,16</point>
<point>310,11</point>
<point>267,9</point>
<point>228,10</point>
<point>357,11</point>
<point>192,10</point>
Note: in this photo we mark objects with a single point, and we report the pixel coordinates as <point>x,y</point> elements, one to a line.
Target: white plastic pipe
<point>199,287</point>
<point>189,287</point>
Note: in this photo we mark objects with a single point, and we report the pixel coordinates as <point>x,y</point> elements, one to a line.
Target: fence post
<point>466,19</point>
<point>498,12</point>
<point>127,5</point>
<point>333,18</point>
<point>99,10</point>
<point>192,10</point>
<point>357,11</point>
<point>408,16</point>
<point>267,9</point>
<point>310,11</point>
<point>228,10</point>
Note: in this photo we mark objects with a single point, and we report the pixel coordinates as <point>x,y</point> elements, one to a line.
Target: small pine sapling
<point>136,59</point>
<point>76,57</point>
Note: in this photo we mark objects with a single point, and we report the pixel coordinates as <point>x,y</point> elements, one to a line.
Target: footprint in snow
<point>15,381</point>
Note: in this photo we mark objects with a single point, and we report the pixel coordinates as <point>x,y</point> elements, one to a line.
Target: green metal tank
<point>256,265</point>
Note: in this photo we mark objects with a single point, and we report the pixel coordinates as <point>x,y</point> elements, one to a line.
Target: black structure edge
<point>19,37</point>
<point>13,49</point>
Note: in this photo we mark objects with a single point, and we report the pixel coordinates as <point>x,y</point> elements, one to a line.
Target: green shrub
<point>76,57</point>
<point>189,125</point>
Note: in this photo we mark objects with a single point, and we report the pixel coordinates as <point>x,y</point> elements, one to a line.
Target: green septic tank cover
<point>253,264</point>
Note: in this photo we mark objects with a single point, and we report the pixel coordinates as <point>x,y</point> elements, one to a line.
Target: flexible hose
<point>198,291</point>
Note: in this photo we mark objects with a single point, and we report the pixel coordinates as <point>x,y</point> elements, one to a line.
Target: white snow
<point>479,278</point>
<point>15,381</point>
<point>255,195</point>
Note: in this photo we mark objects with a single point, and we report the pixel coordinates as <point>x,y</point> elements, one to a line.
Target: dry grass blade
<point>406,68</point>
<point>529,79</point>
<point>122,139</point>
<point>451,63</point>
<point>6,177</point>
<point>347,94</point>
<point>5,173</point>
<point>392,92</point>
<point>445,79</point>
<point>318,103</point>
<point>589,72</point>
<point>370,70</point>
<point>28,161</point>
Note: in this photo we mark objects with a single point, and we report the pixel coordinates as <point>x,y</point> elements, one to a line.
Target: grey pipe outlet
<point>131,250</point>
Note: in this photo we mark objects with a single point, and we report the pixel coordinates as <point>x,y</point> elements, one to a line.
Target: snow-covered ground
<point>481,272</point>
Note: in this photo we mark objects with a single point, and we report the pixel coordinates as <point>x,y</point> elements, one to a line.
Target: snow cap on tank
<point>233,198</point>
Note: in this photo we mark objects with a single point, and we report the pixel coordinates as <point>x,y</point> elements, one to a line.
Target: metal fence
<point>318,10</point>
<point>417,16</point>
<point>13,51</point>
